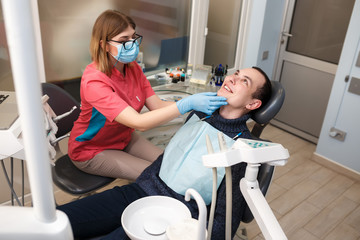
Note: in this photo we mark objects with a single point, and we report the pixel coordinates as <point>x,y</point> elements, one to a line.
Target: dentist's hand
<point>206,102</point>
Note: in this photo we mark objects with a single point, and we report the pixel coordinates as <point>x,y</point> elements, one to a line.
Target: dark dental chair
<point>262,118</point>
<point>65,175</point>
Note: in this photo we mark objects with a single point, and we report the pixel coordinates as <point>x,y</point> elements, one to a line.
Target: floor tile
<point>298,217</point>
<point>294,196</point>
<point>328,218</point>
<point>274,191</point>
<point>353,220</point>
<point>330,191</point>
<point>343,231</point>
<point>289,141</point>
<point>323,175</point>
<point>302,234</point>
<point>353,193</point>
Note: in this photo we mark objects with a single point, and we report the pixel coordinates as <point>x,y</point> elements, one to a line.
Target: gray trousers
<point>127,163</point>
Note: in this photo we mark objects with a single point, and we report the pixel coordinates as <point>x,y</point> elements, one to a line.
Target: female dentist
<point>113,91</point>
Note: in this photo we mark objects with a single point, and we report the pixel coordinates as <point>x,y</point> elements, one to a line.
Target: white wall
<point>343,111</point>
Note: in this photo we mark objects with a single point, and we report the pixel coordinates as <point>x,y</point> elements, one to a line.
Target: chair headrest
<point>265,113</point>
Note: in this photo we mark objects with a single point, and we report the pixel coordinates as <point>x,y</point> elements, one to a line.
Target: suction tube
<point>214,191</point>
<point>202,212</point>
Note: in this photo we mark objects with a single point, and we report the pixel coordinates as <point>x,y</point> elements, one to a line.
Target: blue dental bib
<point>182,166</point>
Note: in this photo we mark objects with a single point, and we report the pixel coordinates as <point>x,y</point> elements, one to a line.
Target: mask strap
<point>117,59</point>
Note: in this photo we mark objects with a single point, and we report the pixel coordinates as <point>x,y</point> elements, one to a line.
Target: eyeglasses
<point>129,44</point>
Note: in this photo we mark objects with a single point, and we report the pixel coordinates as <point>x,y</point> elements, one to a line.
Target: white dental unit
<point>254,153</point>
<point>43,222</point>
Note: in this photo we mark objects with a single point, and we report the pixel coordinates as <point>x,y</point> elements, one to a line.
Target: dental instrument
<point>210,150</point>
<point>228,179</point>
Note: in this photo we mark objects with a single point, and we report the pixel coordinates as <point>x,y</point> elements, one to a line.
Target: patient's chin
<point>221,93</point>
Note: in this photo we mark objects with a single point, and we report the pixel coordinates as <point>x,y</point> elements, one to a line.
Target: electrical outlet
<point>337,134</point>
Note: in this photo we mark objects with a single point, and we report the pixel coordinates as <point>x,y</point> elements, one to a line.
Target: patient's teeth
<point>227,88</point>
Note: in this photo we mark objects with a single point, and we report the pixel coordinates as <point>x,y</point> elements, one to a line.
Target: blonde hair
<point>109,24</point>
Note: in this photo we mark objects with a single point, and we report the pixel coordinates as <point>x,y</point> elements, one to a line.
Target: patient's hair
<point>263,93</point>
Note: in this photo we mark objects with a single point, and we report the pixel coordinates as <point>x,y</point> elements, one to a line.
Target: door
<point>311,44</point>
<point>216,33</point>
<point>223,29</point>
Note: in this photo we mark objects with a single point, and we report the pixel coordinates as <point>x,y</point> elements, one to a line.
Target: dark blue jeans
<point>100,214</point>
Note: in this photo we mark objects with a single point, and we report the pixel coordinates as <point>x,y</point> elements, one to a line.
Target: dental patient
<point>180,166</point>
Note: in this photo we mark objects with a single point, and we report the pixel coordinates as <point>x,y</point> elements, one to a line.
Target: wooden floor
<point>310,201</point>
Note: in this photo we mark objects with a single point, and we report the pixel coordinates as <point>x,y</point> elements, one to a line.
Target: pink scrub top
<point>102,99</point>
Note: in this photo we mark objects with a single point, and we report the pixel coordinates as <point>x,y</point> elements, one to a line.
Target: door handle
<point>286,34</point>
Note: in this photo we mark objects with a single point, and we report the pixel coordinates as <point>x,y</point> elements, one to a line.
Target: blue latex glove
<point>206,102</point>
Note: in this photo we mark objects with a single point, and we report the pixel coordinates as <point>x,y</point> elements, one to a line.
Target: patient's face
<point>239,87</point>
